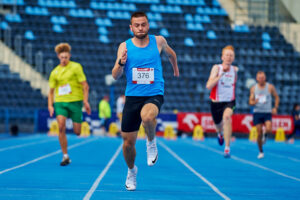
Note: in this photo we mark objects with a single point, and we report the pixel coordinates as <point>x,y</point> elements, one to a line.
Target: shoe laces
<point>151,147</point>
<point>131,177</point>
<point>64,159</point>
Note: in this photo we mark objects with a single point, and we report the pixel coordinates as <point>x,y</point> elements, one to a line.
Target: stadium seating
<point>196,29</point>
<point>14,92</point>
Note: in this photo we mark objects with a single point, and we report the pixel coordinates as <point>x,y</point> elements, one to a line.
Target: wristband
<point>122,65</point>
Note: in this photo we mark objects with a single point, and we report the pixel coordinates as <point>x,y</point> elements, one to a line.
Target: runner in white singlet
<point>222,82</point>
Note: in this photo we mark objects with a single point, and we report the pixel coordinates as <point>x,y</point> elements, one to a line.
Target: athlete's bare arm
<point>117,71</point>
<point>163,46</point>
<point>276,97</point>
<point>50,101</point>
<point>252,100</point>
<point>86,104</point>
<point>213,77</point>
<point>236,69</point>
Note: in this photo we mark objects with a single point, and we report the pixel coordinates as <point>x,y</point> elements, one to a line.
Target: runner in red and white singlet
<point>224,90</point>
<point>222,82</point>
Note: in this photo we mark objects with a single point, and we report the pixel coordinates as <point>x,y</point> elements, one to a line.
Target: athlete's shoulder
<point>75,64</point>
<point>54,71</point>
<point>253,87</point>
<point>236,69</point>
<point>160,38</point>
<point>215,66</point>
<point>271,86</point>
<point>55,68</point>
<point>123,44</point>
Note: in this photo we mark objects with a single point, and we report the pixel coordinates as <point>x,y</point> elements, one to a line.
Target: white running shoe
<point>130,183</point>
<point>152,153</point>
<point>260,155</point>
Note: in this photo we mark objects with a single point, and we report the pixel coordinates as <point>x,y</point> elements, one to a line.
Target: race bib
<point>227,80</point>
<point>65,89</point>
<point>261,98</point>
<point>143,75</point>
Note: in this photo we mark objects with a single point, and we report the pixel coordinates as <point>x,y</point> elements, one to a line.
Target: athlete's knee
<point>259,129</point>
<point>128,144</point>
<point>148,120</point>
<point>62,128</point>
<point>227,119</point>
<point>77,130</point>
<point>269,129</point>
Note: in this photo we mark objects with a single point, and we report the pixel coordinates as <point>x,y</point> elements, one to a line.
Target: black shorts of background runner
<point>261,118</point>
<point>131,117</point>
<point>217,110</point>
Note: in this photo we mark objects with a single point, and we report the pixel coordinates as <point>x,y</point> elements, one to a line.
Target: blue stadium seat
<point>266,45</point>
<point>29,35</point>
<point>266,37</point>
<point>13,2</point>
<point>4,25</point>
<point>102,30</point>
<point>211,35</point>
<point>104,39</point>
<point>164,32</point>
<point>13,18</point>
<point>57,28</point>
<point>189,42</point>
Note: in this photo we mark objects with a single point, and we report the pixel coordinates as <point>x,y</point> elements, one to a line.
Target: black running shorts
<point>217,110</point>
<point>261,118</point>
<point>131,117</point>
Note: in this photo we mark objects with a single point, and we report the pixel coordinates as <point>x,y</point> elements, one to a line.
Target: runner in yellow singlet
<point>68,91</point>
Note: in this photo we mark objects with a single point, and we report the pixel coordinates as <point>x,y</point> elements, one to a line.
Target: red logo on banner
<point>241,123</point>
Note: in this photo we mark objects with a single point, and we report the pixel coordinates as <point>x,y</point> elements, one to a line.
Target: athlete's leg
<point>227,126</point>
<point>259,137</point>
<point>149,113</point>
<point>268,125</point>
<point>77,128</point>
<point>219,127</point>
<point>129,151</point>
<point>61,120</point>
<point>75,110</point>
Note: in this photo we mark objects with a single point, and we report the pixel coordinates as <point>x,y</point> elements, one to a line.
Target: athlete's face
<point>261,78</point>
<point>140,27</point>
<point>228,56</point>
<point>64,58</point>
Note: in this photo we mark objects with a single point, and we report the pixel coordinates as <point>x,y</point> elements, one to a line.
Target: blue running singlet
<point>143,69</point>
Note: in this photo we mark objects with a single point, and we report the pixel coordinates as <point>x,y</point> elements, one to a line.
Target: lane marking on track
<point>246,161</point>
<point>102,174</point>
<point>24,145</point>
<point>214,188</point>
<point>46,156</point>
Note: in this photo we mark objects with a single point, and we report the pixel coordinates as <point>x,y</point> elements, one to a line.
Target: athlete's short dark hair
<point>138,14</point>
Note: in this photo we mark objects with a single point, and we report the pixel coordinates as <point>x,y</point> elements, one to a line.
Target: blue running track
<point>186,169</point>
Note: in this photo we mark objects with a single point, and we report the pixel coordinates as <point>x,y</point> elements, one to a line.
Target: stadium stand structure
<point>196,29</point>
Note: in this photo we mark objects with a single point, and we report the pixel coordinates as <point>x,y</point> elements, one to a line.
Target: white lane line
<point>214,188</point>
<point>102,174</point>
<point>23,137</point>
<point>247,162</point>
<point>280,156</point>
<point>45,156</point>
<point>293,159</point>
<point>24,145</point>
<point>269,153</point>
